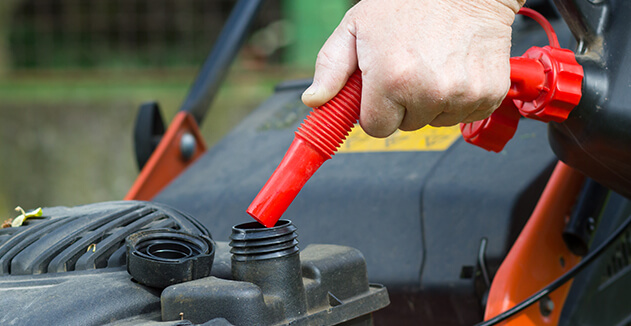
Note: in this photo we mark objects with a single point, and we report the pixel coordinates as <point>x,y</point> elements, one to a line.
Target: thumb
<point>336,62</point>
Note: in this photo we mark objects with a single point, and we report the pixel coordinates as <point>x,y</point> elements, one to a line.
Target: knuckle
<point>443,87</point>
<point>379,128</point>
<point>492,95</point>
<point>416,125</point>
<point>398,78</point>
<point>324,59</point>
<point>351,14</point>
<point>380,117</point>
<point>444,120</point>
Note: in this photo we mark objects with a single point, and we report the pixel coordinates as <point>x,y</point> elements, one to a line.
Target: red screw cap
<point>495,131</point>
<point>561,90</point>
<point>545,85</point>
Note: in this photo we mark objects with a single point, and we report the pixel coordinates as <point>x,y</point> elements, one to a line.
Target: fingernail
<point>311,90</point>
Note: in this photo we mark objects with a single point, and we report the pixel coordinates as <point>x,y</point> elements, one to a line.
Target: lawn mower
<point>519,219</point>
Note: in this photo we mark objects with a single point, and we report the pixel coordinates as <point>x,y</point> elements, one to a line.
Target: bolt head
<point>188,145</point>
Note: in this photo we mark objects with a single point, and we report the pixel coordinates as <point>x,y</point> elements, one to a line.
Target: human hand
<point>436,62</point>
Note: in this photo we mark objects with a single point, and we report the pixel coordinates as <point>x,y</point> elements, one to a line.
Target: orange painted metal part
<point>539,256</point>
<point>167,162</point>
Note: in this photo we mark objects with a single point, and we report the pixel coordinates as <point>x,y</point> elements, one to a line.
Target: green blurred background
<point>74,72</point>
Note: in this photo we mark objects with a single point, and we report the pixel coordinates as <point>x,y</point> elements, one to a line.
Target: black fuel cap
<point>163,257</point>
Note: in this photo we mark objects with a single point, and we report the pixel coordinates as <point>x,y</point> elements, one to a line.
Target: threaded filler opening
<point>254,241</point>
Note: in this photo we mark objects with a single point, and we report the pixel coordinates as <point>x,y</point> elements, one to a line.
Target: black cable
<point>559,281</point>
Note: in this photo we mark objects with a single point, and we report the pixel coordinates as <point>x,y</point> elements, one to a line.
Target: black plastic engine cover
<point>36,291</point>
<point>67,268</point>
<point>84,237</point>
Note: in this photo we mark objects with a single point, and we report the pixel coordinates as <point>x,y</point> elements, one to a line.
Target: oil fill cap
<point>162,257</point>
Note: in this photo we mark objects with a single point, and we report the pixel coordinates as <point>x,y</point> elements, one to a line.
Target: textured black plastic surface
<point>79,254</point>
<point>335,286</point>
<point>84,237</point>
<point>95,297</point>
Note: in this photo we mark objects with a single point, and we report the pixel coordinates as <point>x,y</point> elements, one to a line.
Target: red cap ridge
<point>561,91</point>
<point>545,85</point>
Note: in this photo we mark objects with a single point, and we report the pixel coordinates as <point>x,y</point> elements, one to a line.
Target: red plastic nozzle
<point>562,89</point>
<point>316,141</point>
<point>493,133</point>
<point>545,85</point>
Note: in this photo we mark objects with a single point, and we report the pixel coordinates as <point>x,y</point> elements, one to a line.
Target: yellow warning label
<point>425,139</point>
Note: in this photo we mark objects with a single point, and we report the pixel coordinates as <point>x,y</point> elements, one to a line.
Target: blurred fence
<point>110,33</point>
<point>155,33</point>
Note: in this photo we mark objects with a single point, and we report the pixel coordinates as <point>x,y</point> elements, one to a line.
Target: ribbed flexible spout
<point>317,140</point>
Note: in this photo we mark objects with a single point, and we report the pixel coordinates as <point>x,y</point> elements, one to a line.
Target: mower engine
<point>68,268</point>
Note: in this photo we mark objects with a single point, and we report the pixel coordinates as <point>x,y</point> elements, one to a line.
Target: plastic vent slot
<point>84,237</point>
<point>620,258</point>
